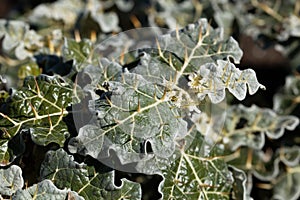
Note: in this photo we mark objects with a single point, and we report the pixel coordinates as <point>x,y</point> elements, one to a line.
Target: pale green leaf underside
<point>288,99</point>
<point>200,44</point>
<point>212,80</point>
<point>256,162</point>
<point>63,10</point>
<point>267,166</point>
<point>64,172</point>
<point>287,185</point>
<point>69,11</point>
<point>18,40</point>
<point>247,126</point>
<point>45,190</point>
<point>135,111</point>
<point>184,51</point>
<point>11,180</point>
<point>196,59</point>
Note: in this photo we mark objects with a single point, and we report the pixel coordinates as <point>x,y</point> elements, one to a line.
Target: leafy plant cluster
<point>76,124</point>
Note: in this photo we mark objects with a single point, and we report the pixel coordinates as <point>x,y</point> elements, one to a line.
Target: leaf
<point>113,46</point>
<point>124,5</point>
<point>247,126</point>
<point>212,80</point>
<point>28,69</point>
<point>263,165</point>
<point>61,168</point>
<point>19,41</point>
<point>287,185</point>
<point>79,52</point>
<point>239,185</point>
<point>197,52</point>
<point>290,156</point>
<point>45,190</point>
<point>195,174</point>
<point>153,69</point>
<point>198,44</point>
<point>11,149</point>
<point>146,105</point>
<point>185,51</point>
<point>131,113</point>
<point>39,106</point>
<point>287,100</point>
<point>66,11</point>
<point>11,180</point>
<point>99,75</point>
<point>172,13</point>
<point>269,18</point>
<point>279,170</point>
<point>108,21</point>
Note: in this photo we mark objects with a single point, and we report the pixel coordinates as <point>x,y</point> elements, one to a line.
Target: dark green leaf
<point>239,185</point>
<point>61,168</point>
<point>197,173</point>
<point>39,106</point>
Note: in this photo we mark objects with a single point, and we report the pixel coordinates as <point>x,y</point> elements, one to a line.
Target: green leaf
<point>247,126</point>
<point>186,50</point>
<point>99,75</point>
<point>19,41</point>
<point>65,11</point>
<point>38,107</point>
<point>196,173</point>
<point>240,184</point>
<point>45,190</point>
<point>198,44</point>
<point>131,113</point>
<point>212,80</point>
<point>79,52</point>
<point>199,53</point>
<point>28,69</point>
<point>172,13</point>
<point>290,156</point>
<point>124,5</point>
<point>287,100</point>
<point>11,149</point>
<point>11,180</point>
<point>263,165</point>
<point>287,185</point>
<point>61,169</point>
<point>108,21</point>
<point>279,171</point>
